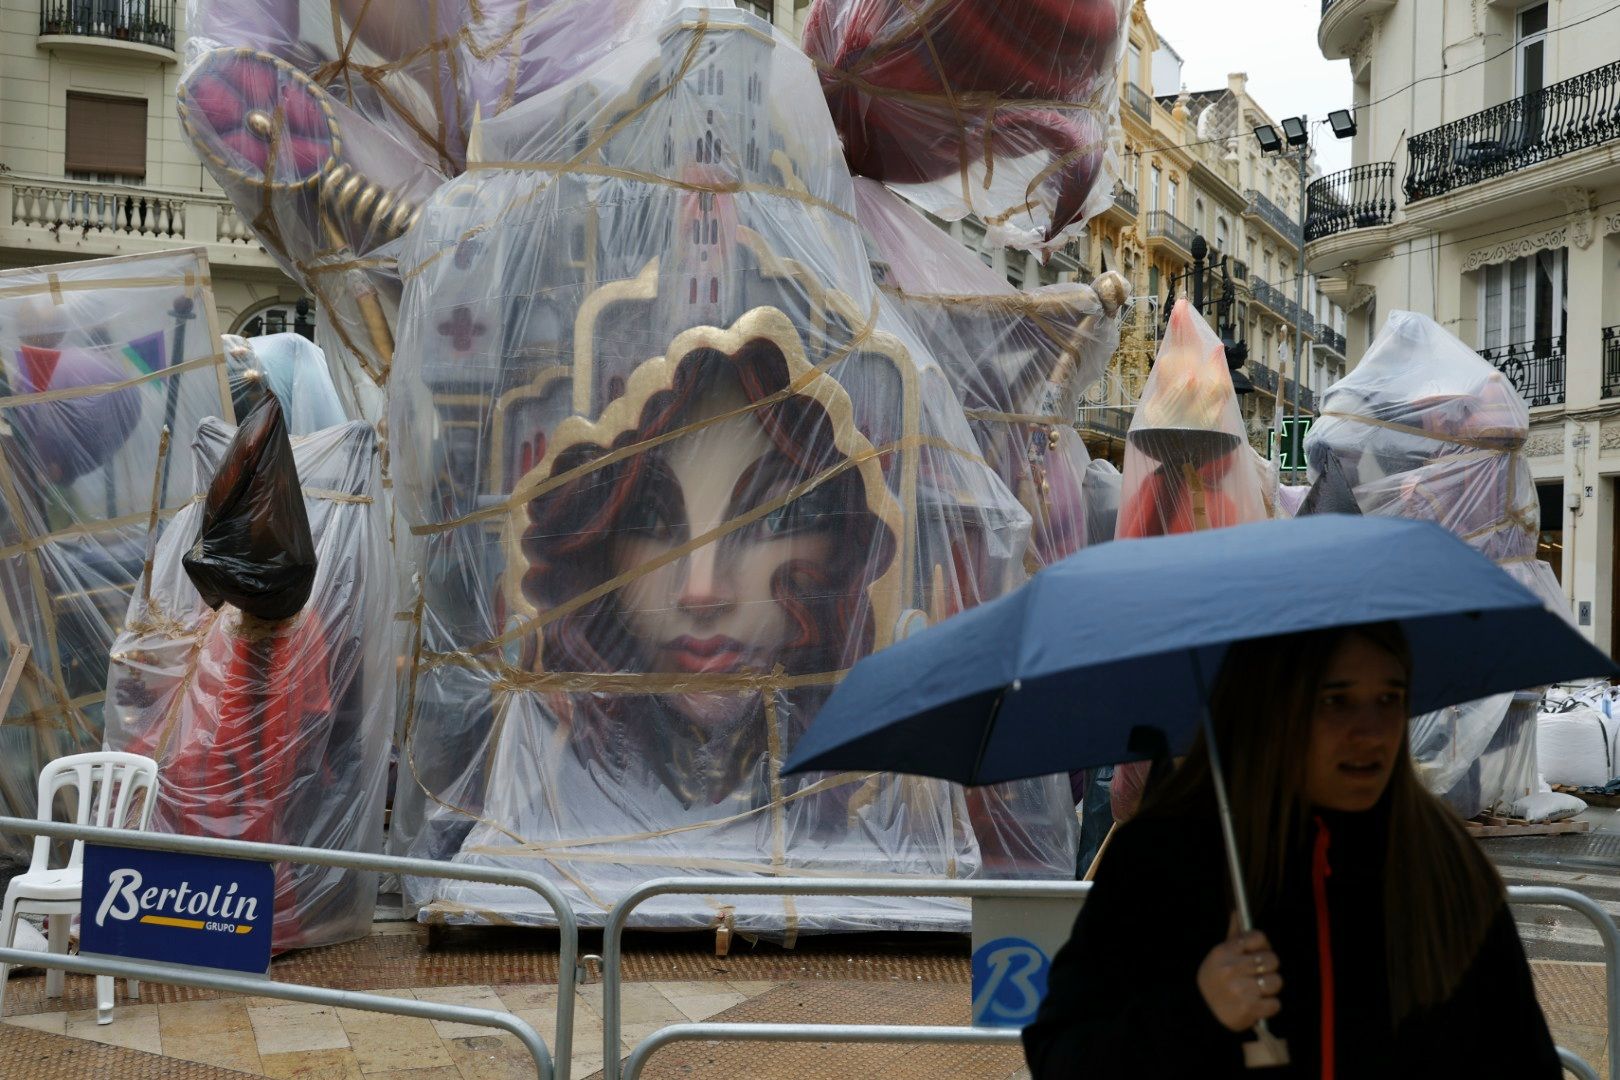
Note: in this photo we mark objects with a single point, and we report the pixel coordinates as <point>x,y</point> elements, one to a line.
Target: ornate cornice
<point>1515,249</point>
<point>1544,445</point>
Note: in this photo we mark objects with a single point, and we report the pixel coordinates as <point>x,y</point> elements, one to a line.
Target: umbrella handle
<point>1266,1051</point>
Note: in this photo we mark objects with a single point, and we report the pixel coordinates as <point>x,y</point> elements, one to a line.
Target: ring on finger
<point>1260,980</point>
<point>1259,965</point>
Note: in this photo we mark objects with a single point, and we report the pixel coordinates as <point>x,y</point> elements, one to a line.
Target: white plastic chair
<point>107,784</point>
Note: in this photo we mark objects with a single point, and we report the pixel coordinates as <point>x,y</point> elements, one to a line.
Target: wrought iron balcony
<point>1272,214</point>
<point>1355,198</point>
<point>1268,295</point>
<point>1107,421</point>
<point>1163,224</point>
<point>1535,368</point>
<point>1560,119</point>
<point>1611,361</point>
<point>145,22</point>
<point>1262,377</point>
<point>1125,199</point>
<point>1140,101</point>
<point>1329,338</point>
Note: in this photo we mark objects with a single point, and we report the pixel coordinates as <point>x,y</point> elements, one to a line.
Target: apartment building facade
<point>1485,192</point>
<point>1190,167</point>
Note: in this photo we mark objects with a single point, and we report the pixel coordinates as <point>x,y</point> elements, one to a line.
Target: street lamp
<point>1296,130</point>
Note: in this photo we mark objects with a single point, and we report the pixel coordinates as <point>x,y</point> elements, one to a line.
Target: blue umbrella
<point>1080,665</point>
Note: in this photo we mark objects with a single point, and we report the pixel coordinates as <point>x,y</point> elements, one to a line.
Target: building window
<point>1133,73</point>
<point>1523,302</point>
<point>1372,320</point>
<point>1550,542</point>
<point>106,138</point>
<point>1221,236</point>
<point>1174,200</point>
<point>1153,188</point>
<point>1531,51</point>
<point>1153,282</point>
<point>278,318</point>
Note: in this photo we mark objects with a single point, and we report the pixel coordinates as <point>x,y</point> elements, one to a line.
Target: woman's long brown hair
<point>1440,891</point>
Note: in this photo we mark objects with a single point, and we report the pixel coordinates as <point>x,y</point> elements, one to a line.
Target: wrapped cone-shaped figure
<point>1187,463</point>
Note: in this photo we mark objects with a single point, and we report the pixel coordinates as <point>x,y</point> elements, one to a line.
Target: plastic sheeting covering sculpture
<point>712,466</point>
<point>977,106</point>
<point>97,358</point>
<point>1424,428</point>
<point>274,731</point>
<point>667,460</point>
<point>1016,361</point>
<point>329,122</point>
<point>1188,465</point>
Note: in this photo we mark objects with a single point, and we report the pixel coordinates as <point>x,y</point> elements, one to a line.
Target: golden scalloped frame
<point>497,480</point>
<point>658,374</point>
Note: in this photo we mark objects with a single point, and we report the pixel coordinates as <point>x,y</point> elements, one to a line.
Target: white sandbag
<point>28,939</point>
<point>1578,747</point>
<point>1547,806</point>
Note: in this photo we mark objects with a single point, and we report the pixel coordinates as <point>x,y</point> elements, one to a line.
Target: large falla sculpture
<point>672,446</point>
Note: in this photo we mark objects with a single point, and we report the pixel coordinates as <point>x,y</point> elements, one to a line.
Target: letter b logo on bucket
<point>1014,940</point>
<point>1009,981</point>
<point>196,910</point>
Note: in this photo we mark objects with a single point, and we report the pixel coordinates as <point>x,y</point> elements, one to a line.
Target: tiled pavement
<point>197,1035</point>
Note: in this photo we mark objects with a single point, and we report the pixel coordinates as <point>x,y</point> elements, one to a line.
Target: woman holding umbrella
<point>1382,946</point>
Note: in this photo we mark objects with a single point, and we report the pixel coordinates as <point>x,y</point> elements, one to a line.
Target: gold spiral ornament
<point>368,208</point>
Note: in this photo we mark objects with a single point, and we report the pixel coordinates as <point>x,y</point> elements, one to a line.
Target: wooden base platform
<point>1489,825</point>
<point>1586,796</point>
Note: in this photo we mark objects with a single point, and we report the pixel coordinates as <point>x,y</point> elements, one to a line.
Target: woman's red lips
<point>700,655</point>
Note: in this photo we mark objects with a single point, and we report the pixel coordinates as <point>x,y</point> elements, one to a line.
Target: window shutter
<point>106,135</point>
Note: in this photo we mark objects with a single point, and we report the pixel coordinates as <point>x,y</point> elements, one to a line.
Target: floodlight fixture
<point>1343,122</point>
<point>1270,143</point>
<point>1294,129</point>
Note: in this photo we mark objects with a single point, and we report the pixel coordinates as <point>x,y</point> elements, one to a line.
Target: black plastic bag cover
<point>1331,494</point>
<point>254,549</point>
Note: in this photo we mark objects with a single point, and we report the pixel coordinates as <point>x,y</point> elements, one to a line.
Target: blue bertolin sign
<point>196,910</point>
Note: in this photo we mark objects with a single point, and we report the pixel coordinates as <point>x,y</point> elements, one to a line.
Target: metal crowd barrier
<point>613,932</point>
<point>1537,895</point>
<point>568,935</point>
<point>612,978</point>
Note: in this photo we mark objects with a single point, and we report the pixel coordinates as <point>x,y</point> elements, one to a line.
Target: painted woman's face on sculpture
<point>717,609</point>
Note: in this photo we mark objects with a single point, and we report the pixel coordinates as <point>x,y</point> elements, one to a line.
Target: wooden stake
<point>1096,860</point>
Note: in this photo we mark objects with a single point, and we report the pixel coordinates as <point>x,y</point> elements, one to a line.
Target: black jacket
<point>1123,998</point>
